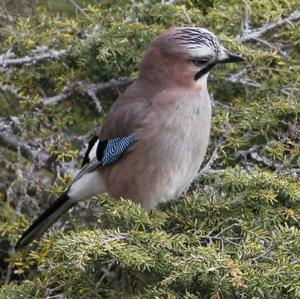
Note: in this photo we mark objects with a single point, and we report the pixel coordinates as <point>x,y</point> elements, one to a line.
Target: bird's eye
<point>199,62</point>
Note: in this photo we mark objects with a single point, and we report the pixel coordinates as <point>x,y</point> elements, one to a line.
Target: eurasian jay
<point>156,134</point>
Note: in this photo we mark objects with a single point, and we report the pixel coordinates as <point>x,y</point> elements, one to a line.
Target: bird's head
<point>184,56</point>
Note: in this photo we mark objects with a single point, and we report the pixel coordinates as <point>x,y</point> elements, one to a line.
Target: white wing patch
<point>93,151</point>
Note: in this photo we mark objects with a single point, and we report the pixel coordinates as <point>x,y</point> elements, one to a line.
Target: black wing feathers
<point>86,158</point>
<point>100,149</point>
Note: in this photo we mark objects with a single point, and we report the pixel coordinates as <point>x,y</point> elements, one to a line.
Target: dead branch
<point>249,35</point>
<point>267,162</point>
<point>207,168</point>
<point>78,8</point>
<point>89,90</point>
<point>237,78</point>
<point>252,153</point>
<point>265,254</point>
<point>43,53</point>
<point>9,88</point>
<point>6,16</point>
<point>254,35</point>
<point>272,47</point>
<point>223,240</point>
<point>245,26</point>
<point>31,151</point>
<point>58,99</point>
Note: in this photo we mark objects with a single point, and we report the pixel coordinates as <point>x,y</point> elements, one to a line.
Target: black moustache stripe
<point>204,71</point>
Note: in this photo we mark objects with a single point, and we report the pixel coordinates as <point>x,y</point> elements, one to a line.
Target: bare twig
<point>8,59</point>
<point>293,171</point>
<point>237,78</point>
<point>6,16</point>
<point>227,228</point>
<point>207,168</point>
<point>291,91</point>
<point>258,32</point>
<point>77,7</point>
<point>8,273</point>
<point>92,94</point>
<point>253,154</point>
<point>56,99</point>
<point>224,239</point>
<point>10,88</point>
<point>267,162</point>
<point>290,45</point>
<point>54,290</point>
<point>86,89</point>
<point>220,237</point>
<point>31,151</point>
<point>213,157</point>
<point>220,223</point>
<point>271,46</point>
<point>15,124</point>
<point>246,24</point>
<point>264,255</point>
<point>254,35</point>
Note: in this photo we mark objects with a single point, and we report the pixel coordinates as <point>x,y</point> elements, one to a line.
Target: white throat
<point>202,82</point>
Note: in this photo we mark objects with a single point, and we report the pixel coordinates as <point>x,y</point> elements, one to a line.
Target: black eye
<point>199,62</point>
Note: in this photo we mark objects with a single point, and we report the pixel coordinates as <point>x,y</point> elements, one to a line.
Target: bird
<point>155,136</point>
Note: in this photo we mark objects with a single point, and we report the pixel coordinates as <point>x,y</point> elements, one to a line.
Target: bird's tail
<point>45,220</point>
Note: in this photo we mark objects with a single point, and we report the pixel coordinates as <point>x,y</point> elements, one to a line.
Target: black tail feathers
<point>45,220</point>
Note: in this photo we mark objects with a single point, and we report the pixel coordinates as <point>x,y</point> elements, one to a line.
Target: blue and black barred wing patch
<point>102,153</point>
<point>114,148</point>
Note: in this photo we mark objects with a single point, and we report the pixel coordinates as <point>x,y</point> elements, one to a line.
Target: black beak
<point>231,57</point>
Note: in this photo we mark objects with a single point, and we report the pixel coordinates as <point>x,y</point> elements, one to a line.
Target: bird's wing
<point>127,113</point>
<point>99,154</point>
<point>102,153</point>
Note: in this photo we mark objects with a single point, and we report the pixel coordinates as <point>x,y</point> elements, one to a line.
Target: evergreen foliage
<point>234,234</point>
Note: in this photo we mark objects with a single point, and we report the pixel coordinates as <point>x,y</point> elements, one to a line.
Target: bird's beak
<point>226,56</point>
